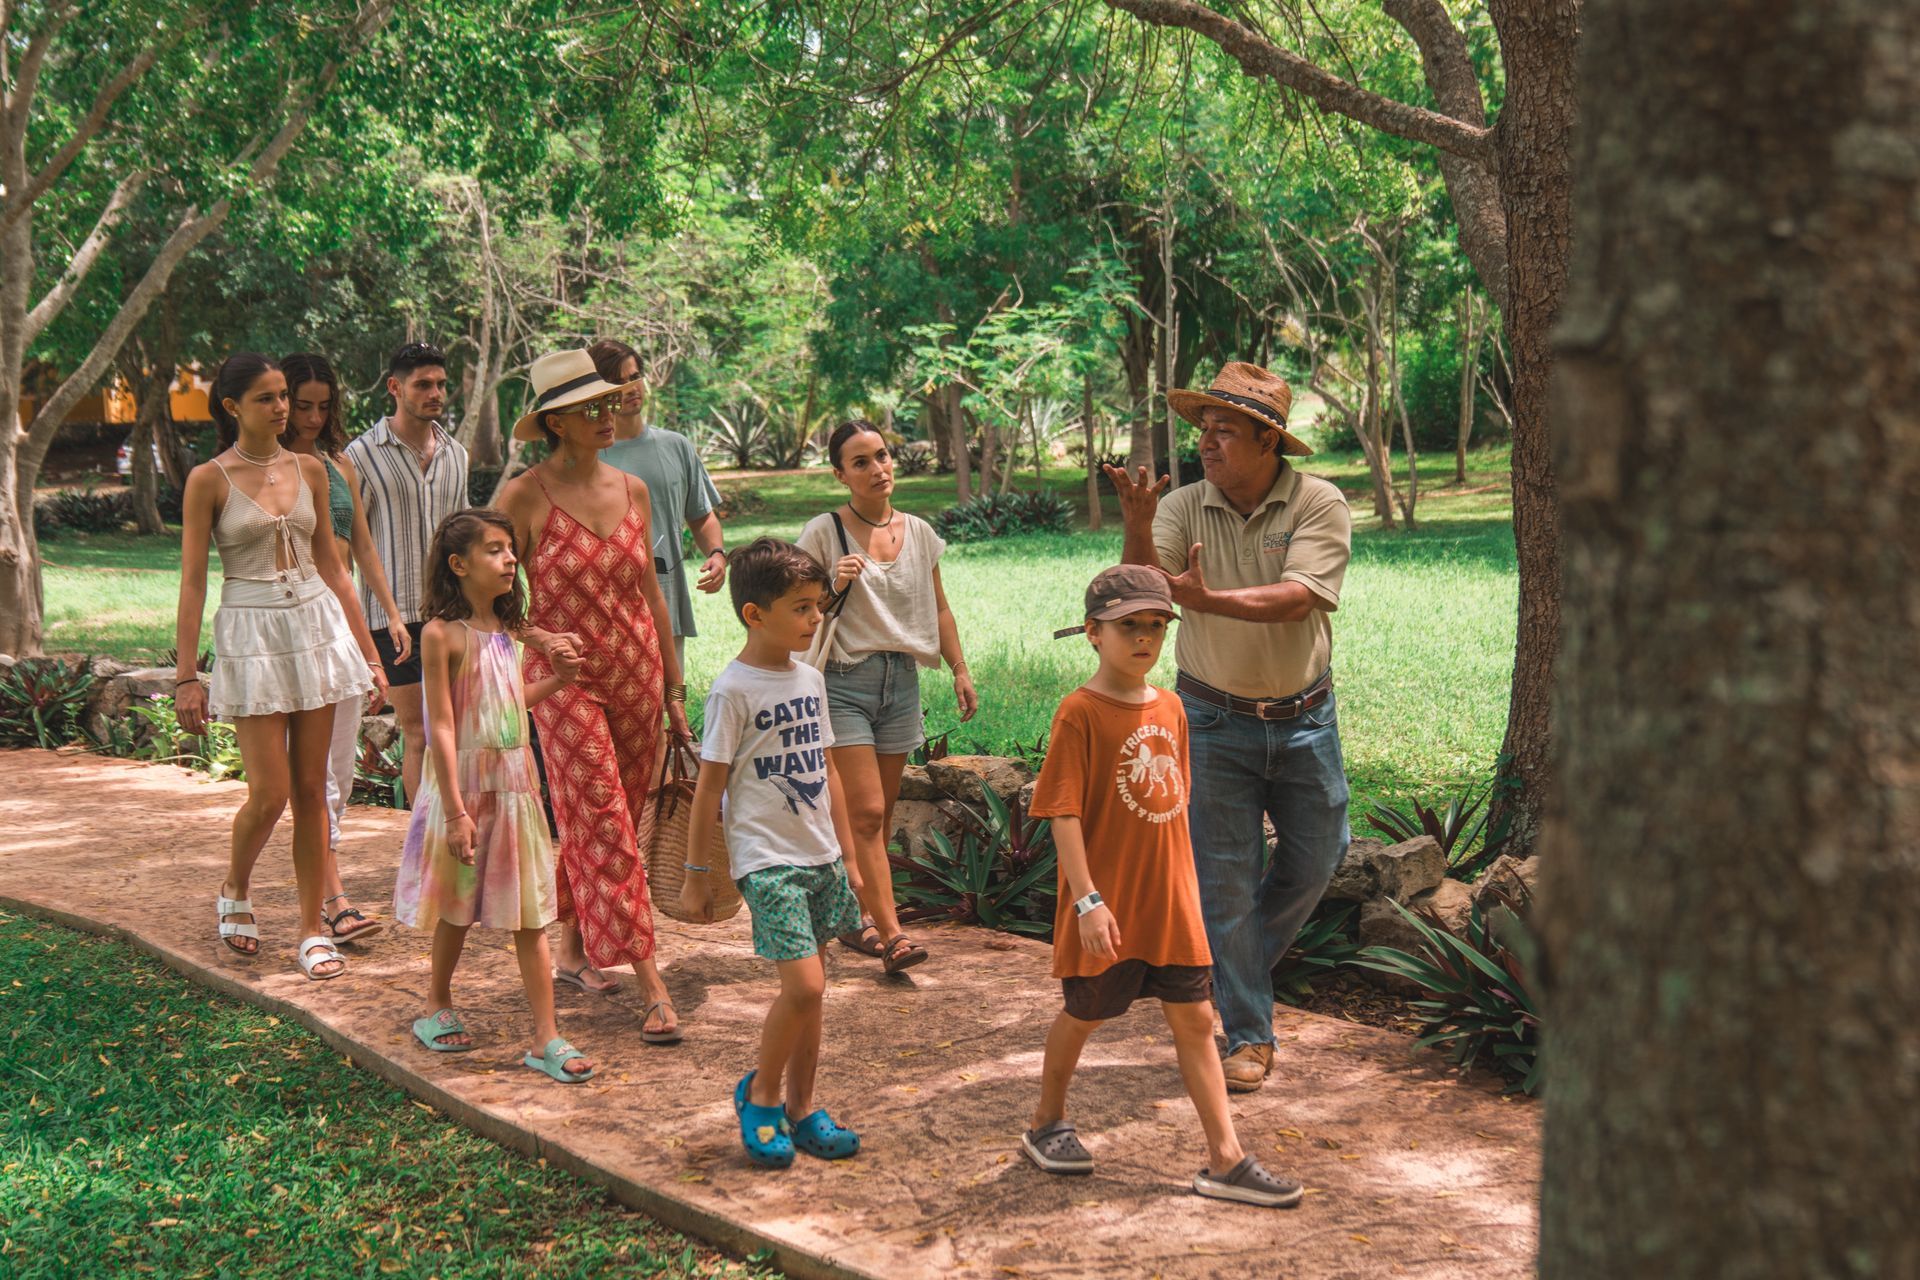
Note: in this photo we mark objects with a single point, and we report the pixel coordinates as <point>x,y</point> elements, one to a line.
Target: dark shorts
<point>1108,995</point>
<point>399,674</point>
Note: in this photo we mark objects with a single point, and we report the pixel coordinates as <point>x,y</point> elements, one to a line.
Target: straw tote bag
<point>667,852</point>
<point>822,647</point>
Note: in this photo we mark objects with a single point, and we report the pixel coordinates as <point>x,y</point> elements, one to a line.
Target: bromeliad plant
<point>1478,999</point>
<point>1001,874</point>
<point>41,703</point>
<point>217,753</point>
<point>1326,942</point>
<point>1465,841</point>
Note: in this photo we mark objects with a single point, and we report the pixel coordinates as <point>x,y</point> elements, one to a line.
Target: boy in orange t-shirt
<point>1129,924</point>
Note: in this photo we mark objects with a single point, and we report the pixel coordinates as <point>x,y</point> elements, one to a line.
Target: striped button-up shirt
<point>404,505</point>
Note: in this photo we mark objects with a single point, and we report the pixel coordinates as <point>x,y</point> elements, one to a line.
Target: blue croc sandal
<point>429,1029</point>
<point>554,1062</point>
<point>763,1130</point>
<point>819,1136</point>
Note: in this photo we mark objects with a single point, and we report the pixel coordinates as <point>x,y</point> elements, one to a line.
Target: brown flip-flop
<point>894,957</point>
<point>666,1035</point>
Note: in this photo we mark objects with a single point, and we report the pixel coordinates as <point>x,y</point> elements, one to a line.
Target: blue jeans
<point>1291,771</point>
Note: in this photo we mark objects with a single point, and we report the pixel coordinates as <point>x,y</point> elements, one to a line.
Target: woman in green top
<point>313,427</point>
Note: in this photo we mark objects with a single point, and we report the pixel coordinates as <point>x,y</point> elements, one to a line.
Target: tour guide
<point>1255,555</point>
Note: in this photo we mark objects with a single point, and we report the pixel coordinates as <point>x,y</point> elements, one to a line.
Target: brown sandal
<point>901,952</point>
<point>865,939</point>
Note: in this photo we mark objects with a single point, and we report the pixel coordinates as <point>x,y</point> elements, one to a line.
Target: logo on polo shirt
<point>1275,542</point>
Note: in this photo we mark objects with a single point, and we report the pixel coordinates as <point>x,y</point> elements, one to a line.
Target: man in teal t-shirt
<point>677,481</point>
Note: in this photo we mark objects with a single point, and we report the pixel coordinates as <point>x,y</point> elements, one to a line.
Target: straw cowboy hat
<point>1253,391</point>
<point>560,380</point>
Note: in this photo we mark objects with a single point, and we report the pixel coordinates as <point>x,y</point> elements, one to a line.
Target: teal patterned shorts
<point>797,909</point>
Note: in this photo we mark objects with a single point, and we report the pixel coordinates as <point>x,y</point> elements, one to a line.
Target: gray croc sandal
<point>1248,1183</point>
<point>1057,1149</point>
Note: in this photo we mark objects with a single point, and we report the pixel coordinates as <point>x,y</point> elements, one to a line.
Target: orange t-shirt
<point>1122,769</point>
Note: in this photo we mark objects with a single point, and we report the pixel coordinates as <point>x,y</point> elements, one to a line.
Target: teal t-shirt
<point>681,491</point>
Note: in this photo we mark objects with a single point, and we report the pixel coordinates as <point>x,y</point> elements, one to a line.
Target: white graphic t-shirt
<point>771,728</point>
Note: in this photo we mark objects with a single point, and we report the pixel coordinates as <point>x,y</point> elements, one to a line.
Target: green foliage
<point>41,702</point>
<point>1469,846</point>
<point>995,515</point>
<point>215,753</point>
<point>377,777</point>
<point>88,510</point>
<point>1001,875</point>
<point>1478,1000</point>
<point>152,1128</point>
<point>1327,941</point>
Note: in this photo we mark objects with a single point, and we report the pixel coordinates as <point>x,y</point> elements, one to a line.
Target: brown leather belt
<point>1259,708</point>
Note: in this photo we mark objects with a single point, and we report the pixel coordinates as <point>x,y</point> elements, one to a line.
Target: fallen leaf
<point>1362,1239</point>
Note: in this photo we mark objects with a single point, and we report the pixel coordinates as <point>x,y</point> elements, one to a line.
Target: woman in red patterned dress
<point>582,530</point>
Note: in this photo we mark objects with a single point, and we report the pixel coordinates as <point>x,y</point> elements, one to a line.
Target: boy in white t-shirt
<point>764,747</point>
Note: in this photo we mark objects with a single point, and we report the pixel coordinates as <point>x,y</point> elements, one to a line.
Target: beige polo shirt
<point>1302,531</point>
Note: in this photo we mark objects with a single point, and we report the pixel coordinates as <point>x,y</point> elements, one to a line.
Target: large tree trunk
<point>1731,880</point>
<point>153,400</point>
<point>1538,41</point>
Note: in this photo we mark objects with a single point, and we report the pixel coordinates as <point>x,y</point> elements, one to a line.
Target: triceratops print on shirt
<point>798,771</point>
<point>1149,777</point>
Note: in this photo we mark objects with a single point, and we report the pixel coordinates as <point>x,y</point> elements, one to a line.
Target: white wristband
<point>1086,905</point>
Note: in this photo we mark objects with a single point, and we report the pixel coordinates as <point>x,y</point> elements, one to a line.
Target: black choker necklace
<point>878,524</point>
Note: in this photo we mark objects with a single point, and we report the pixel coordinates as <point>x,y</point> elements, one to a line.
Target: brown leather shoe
<point>1247,1067</point>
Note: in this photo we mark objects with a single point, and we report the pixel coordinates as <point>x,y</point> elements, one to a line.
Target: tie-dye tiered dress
<point>510,884</point>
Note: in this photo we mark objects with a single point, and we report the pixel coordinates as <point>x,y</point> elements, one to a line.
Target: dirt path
<point>1411,1171</point>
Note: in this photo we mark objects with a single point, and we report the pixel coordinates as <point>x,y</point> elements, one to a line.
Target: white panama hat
<point>559,380</point>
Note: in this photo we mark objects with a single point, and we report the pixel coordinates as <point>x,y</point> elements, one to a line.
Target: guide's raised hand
<point>1139,495</point>
<point>1189,588</point>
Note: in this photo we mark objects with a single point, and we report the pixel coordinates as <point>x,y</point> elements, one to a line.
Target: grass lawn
<point>1423,642</point>
<point>148,1127</point>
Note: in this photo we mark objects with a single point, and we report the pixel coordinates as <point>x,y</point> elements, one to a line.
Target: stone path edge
<point>681,1215</point>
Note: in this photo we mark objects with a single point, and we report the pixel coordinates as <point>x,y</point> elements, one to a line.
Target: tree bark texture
<point>1731,876</point>
<point>1538,41</point>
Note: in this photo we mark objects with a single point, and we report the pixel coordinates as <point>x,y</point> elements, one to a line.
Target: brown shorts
<point>1109,994</point>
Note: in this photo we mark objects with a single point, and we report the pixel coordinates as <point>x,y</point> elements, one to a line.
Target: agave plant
<point>41,704</point>
<point>1478,999</point>
<point>1464,839</point>
<point>1001,874</point>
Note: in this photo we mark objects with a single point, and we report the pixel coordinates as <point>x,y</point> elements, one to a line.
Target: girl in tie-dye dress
<point>477,850</point>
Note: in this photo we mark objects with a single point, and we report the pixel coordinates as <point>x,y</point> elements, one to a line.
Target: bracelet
<point>189,680</point>
<point>676,693</point>
<point>1086,905</point>
<point>689,866</point>
<point>717,551</point>
<point>452,818</point>
<point>958,668</point>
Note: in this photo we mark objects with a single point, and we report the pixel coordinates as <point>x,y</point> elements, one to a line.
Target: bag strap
<point>833,606</point>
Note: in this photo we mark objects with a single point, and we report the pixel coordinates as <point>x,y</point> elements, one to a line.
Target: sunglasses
<point>594,410</point>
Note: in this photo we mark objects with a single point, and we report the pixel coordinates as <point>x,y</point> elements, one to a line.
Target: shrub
<point>994,515</point>
<point>41,702</point>
<point>1478,999</point>
<point>916,458</point>
<point>738,500</point>
<point>1455,830</point>
<point>480,485</point>
<point>216,753</point>
<point>89,510</point>
<point>1002,874</point>
<point>1326,942</point>
<point>376,775</point>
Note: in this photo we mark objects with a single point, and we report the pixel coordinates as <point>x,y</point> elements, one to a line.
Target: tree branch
<point>89,125</point>
<point>1474,188</point>
<point>19,101</point>
<point>1263,59</point>
<point>57,297</point>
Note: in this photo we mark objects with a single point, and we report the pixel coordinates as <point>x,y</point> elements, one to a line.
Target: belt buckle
<point>1291,707</point>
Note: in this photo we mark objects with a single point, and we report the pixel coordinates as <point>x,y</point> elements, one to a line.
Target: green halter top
<point>339,501</point>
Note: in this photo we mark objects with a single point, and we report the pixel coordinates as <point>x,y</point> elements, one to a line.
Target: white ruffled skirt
<point>282,646</point>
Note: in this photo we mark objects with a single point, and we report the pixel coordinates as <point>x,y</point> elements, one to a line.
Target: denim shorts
<point>875,702</point>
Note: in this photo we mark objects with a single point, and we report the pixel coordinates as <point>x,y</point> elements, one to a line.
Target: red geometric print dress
<point>599,735</point>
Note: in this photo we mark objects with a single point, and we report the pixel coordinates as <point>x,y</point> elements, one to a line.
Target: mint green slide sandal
<point>558,1054</point>
<point>429,1029</point>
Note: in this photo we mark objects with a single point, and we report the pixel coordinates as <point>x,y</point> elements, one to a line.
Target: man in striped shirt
<point>413,475</point>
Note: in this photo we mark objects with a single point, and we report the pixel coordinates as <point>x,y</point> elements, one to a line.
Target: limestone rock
<point>379,731</point>
<point>1513,875</point>
<point>113,698</point>
<point>1411,867</point>
<point>965,777</point>
<point>915,785</point>
<point>1354,879</point>
<point>915,820</point>
<point>1449,902</point>
<point>1382,926</point>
